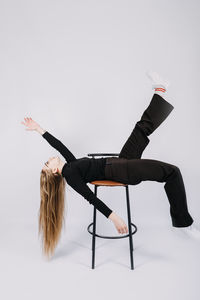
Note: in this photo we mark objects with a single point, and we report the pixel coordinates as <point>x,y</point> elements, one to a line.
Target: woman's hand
<point>30,124</point>
<point>119,223</point>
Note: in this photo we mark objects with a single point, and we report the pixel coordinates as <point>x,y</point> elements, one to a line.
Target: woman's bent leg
<point>157,111</point>
<point>155,170</point>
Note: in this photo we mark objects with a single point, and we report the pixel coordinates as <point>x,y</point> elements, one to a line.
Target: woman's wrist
<point>40,130</point>
<point>112,216</point>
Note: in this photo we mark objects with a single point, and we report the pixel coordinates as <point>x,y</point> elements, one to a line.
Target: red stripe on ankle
<point>160,89</point>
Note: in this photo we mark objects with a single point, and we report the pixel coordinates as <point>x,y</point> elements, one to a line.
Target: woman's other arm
<point>77,183</point>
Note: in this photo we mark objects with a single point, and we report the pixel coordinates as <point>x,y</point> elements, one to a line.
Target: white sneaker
<point>191,231</point>
<point>157,81</point>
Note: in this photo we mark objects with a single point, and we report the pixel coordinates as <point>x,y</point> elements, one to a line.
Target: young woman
<point>129,168</point>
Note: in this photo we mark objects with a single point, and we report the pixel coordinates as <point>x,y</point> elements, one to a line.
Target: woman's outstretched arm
<point>58,145</point>
<point>53,141</point>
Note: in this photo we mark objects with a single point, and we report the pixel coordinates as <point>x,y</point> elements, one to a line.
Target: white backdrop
<point>78,69</point>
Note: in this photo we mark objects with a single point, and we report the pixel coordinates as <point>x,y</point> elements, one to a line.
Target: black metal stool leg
<point>129,228</point>
<point>94,232</point>
<point>130,232</point>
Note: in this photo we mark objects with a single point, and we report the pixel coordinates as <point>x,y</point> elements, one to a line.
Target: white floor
<point>167,265</point>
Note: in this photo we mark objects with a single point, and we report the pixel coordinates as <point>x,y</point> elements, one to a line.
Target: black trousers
<point>130,168</point>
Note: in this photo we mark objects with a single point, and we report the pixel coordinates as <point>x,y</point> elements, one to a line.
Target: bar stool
<point>98,183</point>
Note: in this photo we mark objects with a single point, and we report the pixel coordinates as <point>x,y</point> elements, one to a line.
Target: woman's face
<point>52,163</point>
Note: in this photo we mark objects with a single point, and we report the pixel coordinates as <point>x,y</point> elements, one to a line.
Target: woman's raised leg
<point>157,111</point>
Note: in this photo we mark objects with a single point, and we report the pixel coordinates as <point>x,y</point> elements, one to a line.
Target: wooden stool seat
<point>108,183</point>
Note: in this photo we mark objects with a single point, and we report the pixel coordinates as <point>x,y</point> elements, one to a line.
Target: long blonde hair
<point>52,210</point>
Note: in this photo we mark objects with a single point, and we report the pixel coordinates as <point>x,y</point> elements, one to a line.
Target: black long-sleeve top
<point>78,172</point>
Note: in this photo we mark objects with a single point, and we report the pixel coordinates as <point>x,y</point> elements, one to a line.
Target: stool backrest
<point>103,154</point>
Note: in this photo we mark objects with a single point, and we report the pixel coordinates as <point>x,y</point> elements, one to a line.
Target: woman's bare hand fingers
<point>123,229</point>
<point>120,225</point>
<point>30,123</point>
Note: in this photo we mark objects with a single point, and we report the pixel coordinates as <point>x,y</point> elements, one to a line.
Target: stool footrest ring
<point>111,237</point>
